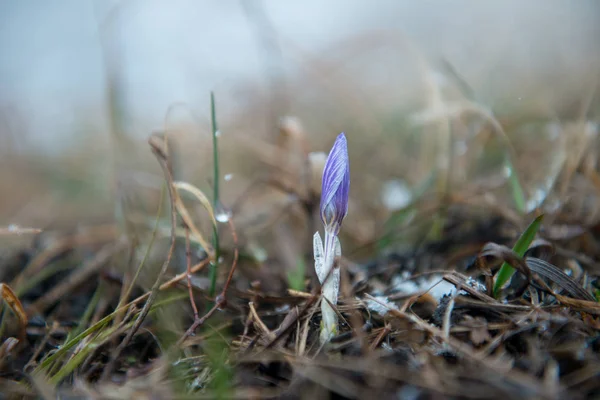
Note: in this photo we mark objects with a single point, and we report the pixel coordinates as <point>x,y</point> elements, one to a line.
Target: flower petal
<point>336,183</point>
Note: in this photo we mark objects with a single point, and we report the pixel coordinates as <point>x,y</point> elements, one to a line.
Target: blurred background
<point>435,97</point>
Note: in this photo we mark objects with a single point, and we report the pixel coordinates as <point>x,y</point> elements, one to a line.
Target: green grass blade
<point>68,345</point>
<point>97,328</point>
<point>515,186</point>
<point>506,271</point>
<point>215,136</point>
<point>87,315</point>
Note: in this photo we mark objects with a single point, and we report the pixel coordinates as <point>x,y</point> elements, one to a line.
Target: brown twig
<point>177,278</point>
<point>466,350</point>
<point>188,270</point>
<point>382,334</point>
<point>282,332</point>
<point>40,347</point>
<point>220,300</point>
<point>235,256</point>
<point>259,323</point>
<point>17,230</point>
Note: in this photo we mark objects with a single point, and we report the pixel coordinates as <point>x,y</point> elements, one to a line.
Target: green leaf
<point>506,271</point>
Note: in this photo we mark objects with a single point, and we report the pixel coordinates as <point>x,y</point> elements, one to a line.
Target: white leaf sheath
<point>318,253</point>
<point>330,289</point>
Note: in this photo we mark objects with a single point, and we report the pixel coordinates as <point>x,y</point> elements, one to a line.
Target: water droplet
<point>220,260</point>
<point>218,133</point>
<point>228,177</point>
<point>201,253</point>
<point>507,171</point>
<point>16,229</point>
<point>395,194</point>
<point>222,217</point>
<point>222,214</point>
<point>283,308</point>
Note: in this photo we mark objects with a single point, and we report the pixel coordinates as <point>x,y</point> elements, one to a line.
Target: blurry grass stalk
<point>510,156</point>
<point>401,219</point>
<point>89,310</point>
<point>48,271</point>
<point>439,148</point>
<point>506,271</point>
<point>515,186</point>
<point>473,103</point>
<point>215,136</point>
<point>3,319</point>
<point>438,145</point>
<point>102,337</point>
<point>222,375</point>
<point>147,253</point>
<point>186,216</point>
<point>295,277</point>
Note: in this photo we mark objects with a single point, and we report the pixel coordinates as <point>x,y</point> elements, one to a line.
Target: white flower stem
<point>329,275</point>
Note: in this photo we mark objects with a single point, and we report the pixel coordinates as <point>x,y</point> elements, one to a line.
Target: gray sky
<point>51,65</point>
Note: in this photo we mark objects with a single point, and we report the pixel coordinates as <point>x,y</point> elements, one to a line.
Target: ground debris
<point>397,337</point>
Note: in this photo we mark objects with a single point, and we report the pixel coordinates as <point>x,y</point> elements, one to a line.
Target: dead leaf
<point>6,348</point>
<point>558,277</point>
<point>15,305</point>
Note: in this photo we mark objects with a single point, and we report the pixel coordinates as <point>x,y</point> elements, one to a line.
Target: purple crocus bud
<point>335,185</point>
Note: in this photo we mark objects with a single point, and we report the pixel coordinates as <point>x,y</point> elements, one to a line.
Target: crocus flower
<point>335,186</point>
<point>334,207</point>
